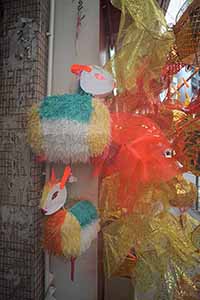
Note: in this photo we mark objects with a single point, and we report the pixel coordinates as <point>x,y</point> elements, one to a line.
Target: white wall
<point>64,46</point>
<point>180,75</point>
<point>173,9</point>
<point>85,285</point>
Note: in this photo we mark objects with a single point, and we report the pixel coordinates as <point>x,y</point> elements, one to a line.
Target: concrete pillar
<point>23,67</point>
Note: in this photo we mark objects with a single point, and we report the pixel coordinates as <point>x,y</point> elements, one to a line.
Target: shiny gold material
<point>165,254</point>
<point>118,240</point>
<point>184,192</point>
<point>165,244</point>
<point>143,39</point>
<point>108,198</point>
<point>177,115</point>
<point>196,237</point>
<point>126,269</point>
<point>188,288</point>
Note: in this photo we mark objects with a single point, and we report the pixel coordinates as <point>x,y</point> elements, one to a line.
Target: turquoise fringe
<point>73,107</point>
<point>85,212</point>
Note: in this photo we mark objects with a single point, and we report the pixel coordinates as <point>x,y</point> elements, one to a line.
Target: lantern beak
<point>43,211</point>
<point>77,69</point>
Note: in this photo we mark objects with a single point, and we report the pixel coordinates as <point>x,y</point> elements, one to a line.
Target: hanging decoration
<point>186,144</point>
<point>73,127</point>
<point>80,16</point>
<point>148,234</point>
<point>194,106</point>
<point>69,231</point>
<point>94,80</point>
<point>139,153</point>
<point>140,147</point>
<point>143,36</point>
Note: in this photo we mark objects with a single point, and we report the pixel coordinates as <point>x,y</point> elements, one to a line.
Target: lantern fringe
<point>65,141</point>
<point>34,130</point>
<point>85,212</point>
<point>88,234</point>
<point>99,128</point>
<point>70,233</point>
<point>74,107</point>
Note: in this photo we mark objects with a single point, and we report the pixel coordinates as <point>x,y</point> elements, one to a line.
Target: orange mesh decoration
<point>141,155</point>
<point>187,144</point>
<point>52,232</point>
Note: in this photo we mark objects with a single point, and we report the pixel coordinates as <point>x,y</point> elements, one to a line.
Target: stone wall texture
<point>23,76</point>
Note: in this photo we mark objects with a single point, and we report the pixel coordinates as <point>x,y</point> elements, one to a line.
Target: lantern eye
<point>169,153</point>
<point>99,76</point>
<point>54,195</point>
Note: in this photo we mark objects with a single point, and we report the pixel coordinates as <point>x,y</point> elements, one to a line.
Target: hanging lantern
<point>187,144</point>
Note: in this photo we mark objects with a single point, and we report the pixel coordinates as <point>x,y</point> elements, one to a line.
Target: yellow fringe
<point>34,131</point>
<point>70,235</point>
<point>45,192</point>
<point>99,128</point>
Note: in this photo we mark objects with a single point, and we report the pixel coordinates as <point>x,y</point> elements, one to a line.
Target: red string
<point>72,267</point>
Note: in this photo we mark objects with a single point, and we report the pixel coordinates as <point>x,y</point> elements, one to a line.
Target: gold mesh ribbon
<point>143,39</point>
<point>166,254</point>
<point>155,236</point>
<point>177,192</point>
<point>119,237</point>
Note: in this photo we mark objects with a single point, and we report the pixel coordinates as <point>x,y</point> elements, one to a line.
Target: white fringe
<point>88,234</point>
<point>65,140</point>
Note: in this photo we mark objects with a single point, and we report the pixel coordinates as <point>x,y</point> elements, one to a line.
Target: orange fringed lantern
<point>187,144</point>
<point>188,288</point>
<point>52,232</point>
<point>187,36</point>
